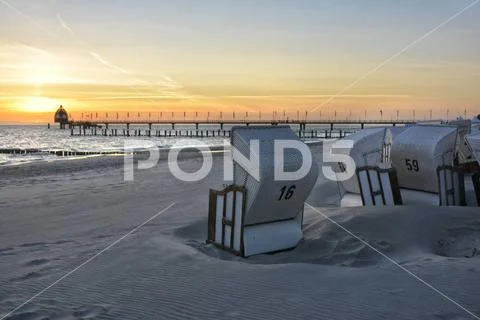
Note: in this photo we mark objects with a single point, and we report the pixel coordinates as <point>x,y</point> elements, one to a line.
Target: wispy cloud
<point>134,97</point>
<point>164,87</point>
<point>103,61</point>
<point>64,24</point>
<point>313,96</point>
<point>437,65</point>
<point>15,46</point>
<point>177,95</point>
<point>27,17</point>
<point>169,83</point>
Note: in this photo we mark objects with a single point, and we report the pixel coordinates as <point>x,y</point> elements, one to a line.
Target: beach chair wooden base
<point>476,186</point>
<point>451,186</point>
<point>378,187</point>
<point>227,229</point>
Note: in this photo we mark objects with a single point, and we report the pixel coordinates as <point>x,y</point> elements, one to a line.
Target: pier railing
<point>190,133</point>
<point>237,122</point>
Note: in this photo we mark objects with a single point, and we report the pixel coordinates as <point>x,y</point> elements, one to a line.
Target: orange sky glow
<point>73,54</point>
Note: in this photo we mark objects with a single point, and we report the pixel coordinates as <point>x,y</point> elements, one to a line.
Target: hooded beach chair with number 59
<point>420,154</point>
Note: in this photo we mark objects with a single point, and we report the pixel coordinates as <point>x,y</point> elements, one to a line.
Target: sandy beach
<point>102,248</point>
<point>384,225</point>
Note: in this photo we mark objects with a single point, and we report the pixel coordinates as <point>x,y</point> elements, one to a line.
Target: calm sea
<point>46,140</point>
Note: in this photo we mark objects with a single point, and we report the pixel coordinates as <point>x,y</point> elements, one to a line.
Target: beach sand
<point>55,219</point>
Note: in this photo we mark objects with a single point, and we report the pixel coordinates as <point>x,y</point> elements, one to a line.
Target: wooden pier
<point>186,133</point>
<point>302,124</point>
<point>170,128</point>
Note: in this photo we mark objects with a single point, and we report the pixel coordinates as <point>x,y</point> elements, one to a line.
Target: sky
<point>318,58</point>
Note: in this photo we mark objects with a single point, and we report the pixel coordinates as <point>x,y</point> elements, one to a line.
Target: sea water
<point>47,140</point>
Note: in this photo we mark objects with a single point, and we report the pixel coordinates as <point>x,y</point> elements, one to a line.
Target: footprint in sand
<point>452,316</point>
<point>36,262</point>
<point>29,276</point>
<point>27,315</point>
<point>6,252</point>
<point>460,243</point>
<point>32,244</point>
<point>90,312</point>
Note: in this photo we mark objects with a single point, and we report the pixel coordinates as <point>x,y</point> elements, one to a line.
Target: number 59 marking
<point>412,165</point>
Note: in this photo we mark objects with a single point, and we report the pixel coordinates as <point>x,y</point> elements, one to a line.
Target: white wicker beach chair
<point>416,154</point>
<point>370,148</point>
<point>261,214</point>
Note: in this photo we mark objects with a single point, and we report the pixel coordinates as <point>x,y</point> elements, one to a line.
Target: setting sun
<point>38,105</point>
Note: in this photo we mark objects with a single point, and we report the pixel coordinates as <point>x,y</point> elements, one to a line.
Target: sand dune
<point>52,223</point>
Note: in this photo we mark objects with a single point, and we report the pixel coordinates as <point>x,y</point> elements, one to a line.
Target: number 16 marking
<point>288,194</point>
